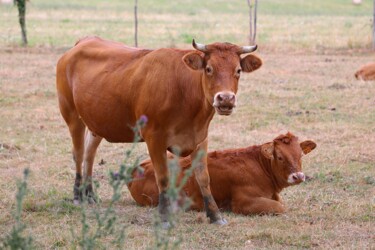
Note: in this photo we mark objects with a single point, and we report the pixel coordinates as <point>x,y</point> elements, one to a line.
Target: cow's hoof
<point>90,194</point>
<point>220,222</point>
<point>165,225</point>
<point>76,202</point>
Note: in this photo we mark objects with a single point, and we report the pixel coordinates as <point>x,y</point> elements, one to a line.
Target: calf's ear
<point>193,60</point>
<point>307,146</point>
<point>250,63</point>
<point>267,150</point>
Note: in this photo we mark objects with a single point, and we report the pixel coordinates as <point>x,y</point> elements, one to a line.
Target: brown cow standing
<point>366,72</point>
<point>107,86</point>
<point>245,181</point>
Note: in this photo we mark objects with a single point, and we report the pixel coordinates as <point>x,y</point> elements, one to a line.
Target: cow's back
<point>89,75</point>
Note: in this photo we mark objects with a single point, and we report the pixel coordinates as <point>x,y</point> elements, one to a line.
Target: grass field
<point>283,25</point>
<point>310,50</point>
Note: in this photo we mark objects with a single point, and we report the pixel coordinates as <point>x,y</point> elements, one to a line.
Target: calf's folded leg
<point>258,205</point>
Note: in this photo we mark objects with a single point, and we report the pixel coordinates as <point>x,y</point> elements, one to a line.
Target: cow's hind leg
<point>91,144</point>
<point>84,149</point>
<point>75,125</point>
<point>77,132</point>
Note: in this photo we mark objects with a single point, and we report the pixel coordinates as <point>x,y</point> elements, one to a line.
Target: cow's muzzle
<point>296,178</point>
<point>224,103</point>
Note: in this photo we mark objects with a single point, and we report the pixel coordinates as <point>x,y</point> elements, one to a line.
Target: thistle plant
<point>164,234</point>
<point>16,238</point>
<point>106,223</point>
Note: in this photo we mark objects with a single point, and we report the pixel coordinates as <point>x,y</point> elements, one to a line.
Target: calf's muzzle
<point>296,178</point>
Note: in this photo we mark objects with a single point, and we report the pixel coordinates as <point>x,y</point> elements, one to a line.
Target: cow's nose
<point>296,178</point>
<point>301,176</point>
<point>225,99</point>
<point>230,98</point>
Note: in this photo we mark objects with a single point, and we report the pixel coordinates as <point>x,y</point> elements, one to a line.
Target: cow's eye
<point>238,73</point>
<point>280,158</point>
<point>209,70</point>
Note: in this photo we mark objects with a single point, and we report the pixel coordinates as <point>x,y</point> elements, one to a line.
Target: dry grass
<point>335,209</point>
<point>309,91</point>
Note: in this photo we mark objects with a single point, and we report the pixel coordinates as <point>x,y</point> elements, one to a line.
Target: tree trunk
<point>136,23</point>
<point>373,27</point>
<point>253,20</point>
<point>249,3</point>
<point>21,4</point>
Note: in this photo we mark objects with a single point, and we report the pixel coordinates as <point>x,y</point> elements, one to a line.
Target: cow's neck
<point>195,109</point>
<point>208,110</point>
<point>266,165</point>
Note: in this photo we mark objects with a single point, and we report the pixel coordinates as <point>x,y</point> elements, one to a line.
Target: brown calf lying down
<point>245,180</point>
<point>366,72</point>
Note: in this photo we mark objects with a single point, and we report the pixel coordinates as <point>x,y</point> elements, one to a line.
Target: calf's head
<point>221,65</point>
<point>285,153</point>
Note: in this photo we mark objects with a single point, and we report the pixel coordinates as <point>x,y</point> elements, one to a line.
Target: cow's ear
<point>193,60</point>
<point>267,150</point>
<point>250,63</point>
<point>307,146</point>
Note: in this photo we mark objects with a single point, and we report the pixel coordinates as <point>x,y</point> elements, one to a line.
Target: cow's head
<point>221,65</point>
<point>285,153</point>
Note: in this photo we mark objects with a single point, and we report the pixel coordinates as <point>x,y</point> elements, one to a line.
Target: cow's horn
<point>200,47</point>
<point>248,49</point>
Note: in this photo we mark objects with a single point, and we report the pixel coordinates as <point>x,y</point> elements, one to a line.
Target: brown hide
<point>366,72</point>
<point>107,86</point>
<point>246,180</point>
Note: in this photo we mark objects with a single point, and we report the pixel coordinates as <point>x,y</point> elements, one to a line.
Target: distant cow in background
<point>245,181</point>
<point>366,72</point>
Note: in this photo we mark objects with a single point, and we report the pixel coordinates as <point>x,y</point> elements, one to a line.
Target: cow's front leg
<point>157,151</point>
<point>203,179</point>
<point>91,144</point>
